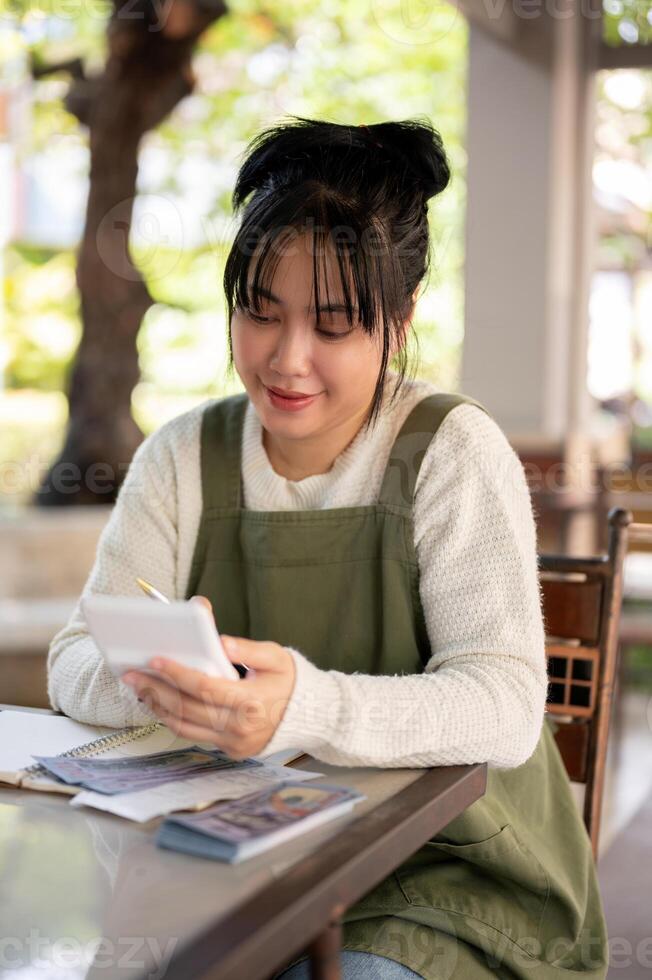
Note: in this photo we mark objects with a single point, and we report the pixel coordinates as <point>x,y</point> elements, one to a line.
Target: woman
<point>368,547</point>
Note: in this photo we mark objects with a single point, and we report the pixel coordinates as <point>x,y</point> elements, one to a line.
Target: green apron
<point>509,887</point>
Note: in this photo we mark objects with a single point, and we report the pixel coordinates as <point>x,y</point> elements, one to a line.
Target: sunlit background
<point>336,61</point>
<point>252,68</point>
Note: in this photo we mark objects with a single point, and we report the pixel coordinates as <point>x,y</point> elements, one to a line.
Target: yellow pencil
<point>151,591</point>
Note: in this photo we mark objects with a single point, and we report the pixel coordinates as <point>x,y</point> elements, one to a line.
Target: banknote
<point>238,829</point>
<point>194,794</point>
<point>264,811</point>
<point>127,775</point>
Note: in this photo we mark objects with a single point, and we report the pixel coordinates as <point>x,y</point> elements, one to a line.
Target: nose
<point>292,352</point>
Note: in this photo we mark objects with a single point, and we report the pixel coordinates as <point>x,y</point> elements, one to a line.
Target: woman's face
<point>336,363</point>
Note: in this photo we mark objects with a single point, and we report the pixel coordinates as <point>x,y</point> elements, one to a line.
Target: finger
<point>217,721</point>
<point>203,600</point>
<point>222,690</point>
<point>166,701</point>
<point>255,654</point>
<point>155,692</point>
<point>199,733</point>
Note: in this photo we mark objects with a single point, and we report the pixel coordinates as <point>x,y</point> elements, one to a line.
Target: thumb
<point>203,600</point>
<point>253,653</point>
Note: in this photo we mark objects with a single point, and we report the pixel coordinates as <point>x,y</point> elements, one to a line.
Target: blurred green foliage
<point>349,61</point>
<point>344,60</point>
<point>627,22</point>
<point>42,324</point>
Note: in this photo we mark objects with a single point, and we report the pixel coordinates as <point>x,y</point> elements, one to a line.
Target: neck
<point>296,459</point>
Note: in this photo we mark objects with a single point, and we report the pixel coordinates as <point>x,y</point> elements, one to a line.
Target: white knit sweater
<point>482,695</point>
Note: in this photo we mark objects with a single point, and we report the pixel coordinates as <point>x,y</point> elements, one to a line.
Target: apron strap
<point>221,449</point>
<point>221,446</point>
<point>411,444</point>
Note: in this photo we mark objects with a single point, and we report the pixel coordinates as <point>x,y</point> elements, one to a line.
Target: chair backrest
<point>582,598</point>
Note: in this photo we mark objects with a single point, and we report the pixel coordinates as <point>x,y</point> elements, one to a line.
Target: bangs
<point>342,246</point>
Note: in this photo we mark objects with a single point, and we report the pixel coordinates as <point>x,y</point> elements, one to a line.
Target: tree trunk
<point>147,73</point>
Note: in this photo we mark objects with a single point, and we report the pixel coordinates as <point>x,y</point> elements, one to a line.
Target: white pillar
<point>529,230</point>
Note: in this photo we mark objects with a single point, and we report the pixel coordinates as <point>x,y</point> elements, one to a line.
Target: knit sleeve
<point>139,539</point>
<point>482,695</point>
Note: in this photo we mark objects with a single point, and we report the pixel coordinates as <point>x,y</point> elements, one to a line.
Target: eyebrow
<point>329,307</point>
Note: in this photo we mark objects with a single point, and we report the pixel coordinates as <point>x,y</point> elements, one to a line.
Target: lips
<point>289,402</point>
<point>289,394</point>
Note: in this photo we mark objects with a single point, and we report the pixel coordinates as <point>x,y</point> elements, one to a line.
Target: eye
<point>334,319</point>
<point>257,318</point>
<point>329,335</point>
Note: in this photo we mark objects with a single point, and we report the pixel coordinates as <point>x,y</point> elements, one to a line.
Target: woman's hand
<point>238,716</point>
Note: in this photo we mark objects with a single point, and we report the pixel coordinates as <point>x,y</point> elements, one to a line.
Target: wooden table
<point>92,893</point>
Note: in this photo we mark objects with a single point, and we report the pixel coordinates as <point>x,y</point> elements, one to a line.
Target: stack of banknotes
<point>259,804</point>
<point>238,829</point>
<point>127,775</point>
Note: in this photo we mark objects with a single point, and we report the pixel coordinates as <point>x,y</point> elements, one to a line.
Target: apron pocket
<point>497,882</point>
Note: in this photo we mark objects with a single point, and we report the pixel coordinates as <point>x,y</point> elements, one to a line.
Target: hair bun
<point>420,147</point>
<point>290,153</point>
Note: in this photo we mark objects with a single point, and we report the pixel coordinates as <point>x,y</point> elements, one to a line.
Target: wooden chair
<point>582,599</point>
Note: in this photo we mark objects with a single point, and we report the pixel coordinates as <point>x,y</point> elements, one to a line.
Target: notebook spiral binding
<point>98,745</point>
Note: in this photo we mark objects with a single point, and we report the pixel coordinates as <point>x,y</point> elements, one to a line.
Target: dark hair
<point>370,183</point>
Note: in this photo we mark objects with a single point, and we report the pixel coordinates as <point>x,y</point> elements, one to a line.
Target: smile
<point>294,404</point>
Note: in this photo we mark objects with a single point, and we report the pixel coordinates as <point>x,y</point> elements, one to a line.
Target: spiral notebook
<point>24,734</point>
